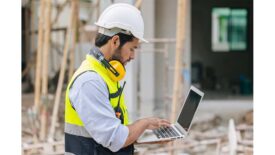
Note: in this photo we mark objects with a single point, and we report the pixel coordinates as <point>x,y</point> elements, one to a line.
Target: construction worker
<point>96,118</point>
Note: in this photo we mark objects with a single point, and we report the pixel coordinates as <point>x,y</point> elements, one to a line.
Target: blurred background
<point>215,45</point>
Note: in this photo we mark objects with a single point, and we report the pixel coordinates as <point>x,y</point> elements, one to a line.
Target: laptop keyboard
<point>165,132</point>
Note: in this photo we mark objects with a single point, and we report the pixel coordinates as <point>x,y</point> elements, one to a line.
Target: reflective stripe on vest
<point>92,64</point>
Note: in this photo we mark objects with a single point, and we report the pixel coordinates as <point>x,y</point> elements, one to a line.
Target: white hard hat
<point>121,17</point>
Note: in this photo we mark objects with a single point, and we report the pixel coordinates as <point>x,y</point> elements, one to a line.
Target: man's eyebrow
<point>135,47</point>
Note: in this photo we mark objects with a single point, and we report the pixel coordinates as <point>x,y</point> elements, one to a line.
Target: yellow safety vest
<point>92,64</point>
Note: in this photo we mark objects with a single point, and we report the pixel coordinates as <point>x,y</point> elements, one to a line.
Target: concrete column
<point>147,67</point>
<point>130,89</point>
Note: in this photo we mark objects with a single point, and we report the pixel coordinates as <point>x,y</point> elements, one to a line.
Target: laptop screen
<point>189,109</point>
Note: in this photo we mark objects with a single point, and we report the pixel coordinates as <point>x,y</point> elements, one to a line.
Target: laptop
<point>181,128</point>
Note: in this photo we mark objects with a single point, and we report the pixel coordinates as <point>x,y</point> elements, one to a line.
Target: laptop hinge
<point>179,130</point>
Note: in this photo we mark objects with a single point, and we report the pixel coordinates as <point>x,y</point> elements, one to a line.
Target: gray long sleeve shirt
<point>90,98</point>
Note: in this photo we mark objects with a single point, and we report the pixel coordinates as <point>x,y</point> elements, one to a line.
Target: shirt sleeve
<point>90,99</point>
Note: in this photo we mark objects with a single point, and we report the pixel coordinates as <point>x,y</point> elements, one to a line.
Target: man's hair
<point>102,39</point>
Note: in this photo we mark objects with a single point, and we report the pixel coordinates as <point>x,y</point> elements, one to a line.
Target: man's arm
<point>138,127</point>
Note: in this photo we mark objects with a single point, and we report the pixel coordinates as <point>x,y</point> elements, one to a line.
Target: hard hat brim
<point>143,40</point>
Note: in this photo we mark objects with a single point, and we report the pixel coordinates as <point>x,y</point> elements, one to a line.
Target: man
<point>96,118</point>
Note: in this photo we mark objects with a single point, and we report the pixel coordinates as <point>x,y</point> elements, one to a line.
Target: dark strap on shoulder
<point>116,94</point>
<point>111,95</point>
<point>76,78</point>
<point>79,75</point>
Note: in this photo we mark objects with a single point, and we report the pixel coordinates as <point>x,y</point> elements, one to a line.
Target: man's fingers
<point>164,122</point>
<point>157,123</point>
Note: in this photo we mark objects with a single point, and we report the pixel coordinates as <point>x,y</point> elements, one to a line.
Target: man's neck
<point>106,51</point>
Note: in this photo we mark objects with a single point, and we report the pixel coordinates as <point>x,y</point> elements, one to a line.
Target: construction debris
<point>217,139</point>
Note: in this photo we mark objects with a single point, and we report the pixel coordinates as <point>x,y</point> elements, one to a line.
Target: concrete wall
<point>166,12</point>
<point>146,62</point>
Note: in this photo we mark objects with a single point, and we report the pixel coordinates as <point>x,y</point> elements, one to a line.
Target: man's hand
<point>138,127</point>
<point>155,123</point>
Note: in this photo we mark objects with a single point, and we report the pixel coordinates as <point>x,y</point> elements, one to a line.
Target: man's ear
<point>115,41</point>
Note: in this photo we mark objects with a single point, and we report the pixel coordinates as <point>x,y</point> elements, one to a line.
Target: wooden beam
<point>74,31</point>
<point>61,74</point>
<point>232,138</point>
<point>53,30</point>
<point>180,37</point>
<point>181,146</point>
<point>37,89</point>
<point>45,59</point>
<point>161,40</point>
<point>138,4</point>
<point>41,145</point>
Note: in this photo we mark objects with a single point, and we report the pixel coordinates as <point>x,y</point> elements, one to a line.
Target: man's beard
<point>117,56</point>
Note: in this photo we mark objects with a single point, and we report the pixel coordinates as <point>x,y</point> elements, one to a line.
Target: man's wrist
<point>146,123</point>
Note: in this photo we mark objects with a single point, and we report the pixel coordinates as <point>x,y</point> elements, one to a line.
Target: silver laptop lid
<point>189,108</point>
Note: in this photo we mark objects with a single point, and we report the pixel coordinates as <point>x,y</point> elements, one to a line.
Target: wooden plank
<point>61,29</point>
<point>161,40</point>
<point>246,142</point>
<point>245,149</point>
<point>245,127</point>
<point>181,146</point>
<point>37,89</point>
<point>46,47</point>
<point>41,145</point>
<point>74,31</point>
<point>61,74</point>
<point>180,36</point>
<point>232,138</point>
<point>138,4</point>
<point>45,59</point>
<point>178,55</point>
